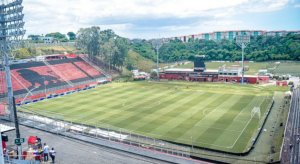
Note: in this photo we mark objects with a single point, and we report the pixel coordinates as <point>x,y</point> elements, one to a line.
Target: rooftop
<point>179,70</point>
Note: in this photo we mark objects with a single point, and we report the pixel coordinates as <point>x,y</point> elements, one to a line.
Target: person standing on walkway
<point>52,155</point>
<point>46,152</point>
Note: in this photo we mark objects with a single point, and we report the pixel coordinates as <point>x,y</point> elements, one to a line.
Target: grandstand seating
<point>38,75</point>
<point>88,68</point>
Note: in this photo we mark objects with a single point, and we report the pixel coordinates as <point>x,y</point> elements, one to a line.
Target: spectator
<point>38,142</point>
<point>38,139</point>
<point>46,152</point>
<point>52,155</point>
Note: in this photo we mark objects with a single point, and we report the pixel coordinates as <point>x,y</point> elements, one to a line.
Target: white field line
<point>243,130</point>
<point>213,111</point>
<point>237,131</point>
<point>232,131</point>
<point>206,109</point>
<point>240,134</point>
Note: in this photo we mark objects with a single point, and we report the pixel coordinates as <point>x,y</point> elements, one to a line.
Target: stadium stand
<point>50,74</point>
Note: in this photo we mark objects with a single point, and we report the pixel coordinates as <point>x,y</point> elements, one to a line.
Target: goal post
<point>255,112</point>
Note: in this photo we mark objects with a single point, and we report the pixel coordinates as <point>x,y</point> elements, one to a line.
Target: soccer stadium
<point>211,116</point>
<point>74,91</point>
<point>200,115</point>
<point>187,99</point>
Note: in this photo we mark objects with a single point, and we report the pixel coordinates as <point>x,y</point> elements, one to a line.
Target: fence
<point>28,44</point>
<point>55,124</point>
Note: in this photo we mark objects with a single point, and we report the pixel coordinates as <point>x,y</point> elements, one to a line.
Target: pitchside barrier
<point>55,123</point>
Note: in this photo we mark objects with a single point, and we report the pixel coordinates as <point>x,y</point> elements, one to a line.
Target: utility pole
<point>242,41</point>
<point>157,58</point>
<point>18,135</point>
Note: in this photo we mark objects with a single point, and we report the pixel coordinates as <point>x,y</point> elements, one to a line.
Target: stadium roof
<point>179,70</point>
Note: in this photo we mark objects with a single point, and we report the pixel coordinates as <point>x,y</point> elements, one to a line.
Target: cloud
<point>139,18</point>
<point>297,5</point>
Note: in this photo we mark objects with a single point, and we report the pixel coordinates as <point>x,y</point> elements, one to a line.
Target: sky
<point>160,18</point>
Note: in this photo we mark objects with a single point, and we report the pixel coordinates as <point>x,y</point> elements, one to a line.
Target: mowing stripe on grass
<point>196,118</point>
<point>103,103</point>
<point>113,112</point>
<point>168,126</point>
<point>142,118</point>
<point>188,118</point>
<point>60,104</point>
<point>210,118</point>
<point>223,120</point>
<point>237,125</point>
<point>158,117</point>
<point>135,109</point>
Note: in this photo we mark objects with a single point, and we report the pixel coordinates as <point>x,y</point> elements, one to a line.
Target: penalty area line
<point>230,147</point>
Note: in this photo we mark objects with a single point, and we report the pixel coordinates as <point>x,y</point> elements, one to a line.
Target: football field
<point>215,116</point>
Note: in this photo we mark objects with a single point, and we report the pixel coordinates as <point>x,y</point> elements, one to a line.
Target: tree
<point>21,53</point>
<point>88,39</point>
<point>58,36</point>
<point>71,35</point>
<point>115,50</point>
<point>107,34</point>
<point>261,48</point>
<point>121,53</point>
<point>106,45</point>
<point>109,50</point>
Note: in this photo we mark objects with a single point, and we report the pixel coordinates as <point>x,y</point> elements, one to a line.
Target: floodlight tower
<point>11,31</point>
<point>242,41</point>
<point>157,43</point>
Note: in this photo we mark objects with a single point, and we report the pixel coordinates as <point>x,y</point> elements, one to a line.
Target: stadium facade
<point>201,74</point>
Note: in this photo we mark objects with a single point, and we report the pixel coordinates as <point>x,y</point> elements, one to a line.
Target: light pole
<point>242,41</point>
<point>157,43</point>
<point>157,66</point>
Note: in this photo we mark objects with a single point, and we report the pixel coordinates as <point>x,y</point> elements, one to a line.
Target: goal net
<point>255,113</point>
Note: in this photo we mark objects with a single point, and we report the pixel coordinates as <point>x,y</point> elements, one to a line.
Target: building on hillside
<point>231,34</point>
<point>41,39</point>
<point>230,71</point>
<point>48,40</point>
<point>137,75</point>
<point>176,74</point>
<point>205,76</point>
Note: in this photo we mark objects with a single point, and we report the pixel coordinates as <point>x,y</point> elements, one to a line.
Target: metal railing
<point>55,124</point>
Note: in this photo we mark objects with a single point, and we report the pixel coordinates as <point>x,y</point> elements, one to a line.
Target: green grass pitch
<point>216,116</point>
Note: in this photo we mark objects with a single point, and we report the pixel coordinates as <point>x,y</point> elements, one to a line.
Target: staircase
<point>86,59</point>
